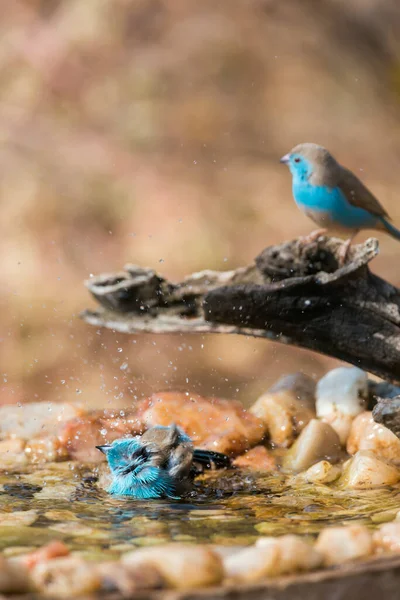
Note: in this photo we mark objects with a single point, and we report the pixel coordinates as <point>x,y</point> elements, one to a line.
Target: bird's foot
<point>313,236</point>
<point>343,252</point>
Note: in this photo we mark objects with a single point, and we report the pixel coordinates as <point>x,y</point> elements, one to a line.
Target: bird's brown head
<point>306,160</point>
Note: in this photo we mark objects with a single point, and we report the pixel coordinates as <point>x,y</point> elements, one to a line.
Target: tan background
<point>150,131</point>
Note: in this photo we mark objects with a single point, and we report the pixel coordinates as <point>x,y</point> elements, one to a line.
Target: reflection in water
<point>229,508</point>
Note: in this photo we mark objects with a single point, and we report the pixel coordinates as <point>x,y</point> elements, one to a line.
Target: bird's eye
<point>296,160</point>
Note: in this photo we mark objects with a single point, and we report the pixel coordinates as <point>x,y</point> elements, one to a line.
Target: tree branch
<point>295,293</point>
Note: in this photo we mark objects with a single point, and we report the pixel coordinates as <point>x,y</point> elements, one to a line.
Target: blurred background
<point>150,132</point>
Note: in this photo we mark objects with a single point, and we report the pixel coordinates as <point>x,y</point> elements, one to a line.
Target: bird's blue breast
<point>329,207</point>
<point>151,482</point>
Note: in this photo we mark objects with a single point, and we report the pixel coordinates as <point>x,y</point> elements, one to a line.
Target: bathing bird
<point>332,196</point>
<point>161,463</point>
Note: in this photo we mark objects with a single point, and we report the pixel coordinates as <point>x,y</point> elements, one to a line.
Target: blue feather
<point>330,205</point>
<point>391,228</point>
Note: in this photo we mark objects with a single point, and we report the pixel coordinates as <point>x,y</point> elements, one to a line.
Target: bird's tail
<point>391,229</point>
<point>210,459</point>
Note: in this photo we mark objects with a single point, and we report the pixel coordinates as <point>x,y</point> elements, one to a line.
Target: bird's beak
<point>104,449</point>
<point>285,159</point>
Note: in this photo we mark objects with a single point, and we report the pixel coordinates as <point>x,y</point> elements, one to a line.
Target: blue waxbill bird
<point>332,196</point>
<point>161,463</point>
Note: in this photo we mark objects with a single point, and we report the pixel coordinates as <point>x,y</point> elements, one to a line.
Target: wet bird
<point>161,463</point>
<point>332,196</point>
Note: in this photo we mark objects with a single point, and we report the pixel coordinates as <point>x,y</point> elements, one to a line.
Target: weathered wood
<point>296,293</point>
<point>387,412</point>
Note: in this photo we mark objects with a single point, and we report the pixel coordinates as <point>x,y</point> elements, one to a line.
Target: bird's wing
<point>209,459</point>
<point>180,461</point>
<point>358,195</point>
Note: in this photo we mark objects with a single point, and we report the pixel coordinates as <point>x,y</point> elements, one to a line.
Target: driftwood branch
<point>296,293</point>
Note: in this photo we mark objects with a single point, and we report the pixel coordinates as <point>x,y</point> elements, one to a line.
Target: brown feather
<point>163,438</point>
<point>358,194</point>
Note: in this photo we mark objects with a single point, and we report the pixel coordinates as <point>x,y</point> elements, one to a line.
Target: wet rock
<point>45,449</point>
<point>54,549</point>
<point>22,535</point>
<point>322,472</point>
<point>79,437</point>
<point>184,538</point>
<point>271,557</point>
<point>14,578</point>
<point>388,537</point>
<point>21,490</point>
<point>18,517</point>
<point>35,419</point>
<point>252,564</point>
<point>212,423</point>
<point>366,434</point>
<point>387,412</point>
<point>318,441</point>
<point>117,577</point>
<point>58,491</point>
<point>341,544</point>
<point>12,452</point>
<point>256,459</point>
<point>180,565</point>
<point>60,515</point>
<point>72,529</point>
<point>294,553</point>
<point>286,408</point>
<point>341,395</point>
<point>66,577</point>
<point>51,473</point>
<point>149,540</point>
<point>104,477</point>
<point>365,471</point>
<point>384,516</point>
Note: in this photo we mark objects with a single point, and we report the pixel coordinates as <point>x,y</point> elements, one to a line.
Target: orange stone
<point>212,423</point>
<point>81,436</point>
<point>256,459</point>
<point>365,434</point>
<point>45,553</point>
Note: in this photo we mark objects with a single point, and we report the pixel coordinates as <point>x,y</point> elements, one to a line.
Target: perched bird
<point>332,196</point>
<point>159,464</point>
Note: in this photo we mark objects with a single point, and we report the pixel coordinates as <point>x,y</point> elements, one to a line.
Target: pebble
<point>341,544</point>
<point>16,518</point>
<point>180,565</point>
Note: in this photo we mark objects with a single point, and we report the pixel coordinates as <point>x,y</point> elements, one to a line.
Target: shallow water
<point>234,507</point>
